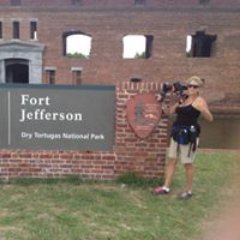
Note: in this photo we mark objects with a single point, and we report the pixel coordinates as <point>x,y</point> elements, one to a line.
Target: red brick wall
<point>120,3</point>
<point>168,61</point>
<point>130,154</point>
<point>169,26</point>
<point>134,154</point>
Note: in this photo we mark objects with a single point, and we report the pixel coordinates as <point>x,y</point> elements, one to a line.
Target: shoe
<point>161,190</point>
<point>184,195</point>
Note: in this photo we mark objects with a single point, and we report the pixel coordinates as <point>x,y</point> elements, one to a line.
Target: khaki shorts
<point>179,151</point>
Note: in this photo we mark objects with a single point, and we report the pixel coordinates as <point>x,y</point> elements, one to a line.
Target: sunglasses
<point>192,86</point>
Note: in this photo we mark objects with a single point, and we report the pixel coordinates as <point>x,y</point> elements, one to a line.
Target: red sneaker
<point>161,190</point>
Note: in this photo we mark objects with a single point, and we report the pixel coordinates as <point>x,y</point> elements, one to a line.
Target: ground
<point>225,225</point>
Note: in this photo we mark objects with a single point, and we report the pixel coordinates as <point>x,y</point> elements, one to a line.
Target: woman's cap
<point>195,80</point>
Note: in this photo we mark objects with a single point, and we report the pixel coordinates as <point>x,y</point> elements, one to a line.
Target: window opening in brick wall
<point>16,2</point>
<point>76,2</point>
<point>135,79</point>
<point>77,45</point>
<point>33,30</point>
<point>200,44</point>
<point>204,1</point>
<point>1,30</point>
<point>50,75</point>
<point>76,75</point>
<point>139,2</point>
<point>16,29</point>
<point>149,46</point>
<point>137,46</point>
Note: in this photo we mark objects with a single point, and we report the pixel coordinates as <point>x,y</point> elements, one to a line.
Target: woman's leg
<point>171,163</point>
<point>170,168</point>
<point>189,169</point>
<point>169,172</point>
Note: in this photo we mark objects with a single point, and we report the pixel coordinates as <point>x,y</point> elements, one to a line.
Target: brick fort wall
<point>107,22</point>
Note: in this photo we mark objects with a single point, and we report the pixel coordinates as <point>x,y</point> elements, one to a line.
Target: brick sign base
<point>145,157</point>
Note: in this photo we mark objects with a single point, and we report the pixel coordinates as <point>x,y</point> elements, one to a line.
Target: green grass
<point>72,209</point>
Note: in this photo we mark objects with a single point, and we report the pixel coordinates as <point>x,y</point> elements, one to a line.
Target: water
<point>222,133</point>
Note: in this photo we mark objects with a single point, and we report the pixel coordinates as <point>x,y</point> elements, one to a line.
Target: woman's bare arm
<point>201,105</point>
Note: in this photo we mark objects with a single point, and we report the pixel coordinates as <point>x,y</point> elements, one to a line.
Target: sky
<point>132,45</point>
<point>79,44</point>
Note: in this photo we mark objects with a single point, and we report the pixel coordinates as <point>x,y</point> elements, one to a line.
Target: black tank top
<point>187,116</point>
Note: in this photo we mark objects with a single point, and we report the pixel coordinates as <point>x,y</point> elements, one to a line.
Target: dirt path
<point>226,226</point>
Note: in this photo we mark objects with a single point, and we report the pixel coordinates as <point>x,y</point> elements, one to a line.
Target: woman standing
<point>185,135</point>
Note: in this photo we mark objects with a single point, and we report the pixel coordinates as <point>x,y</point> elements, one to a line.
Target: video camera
<point>177,88</point>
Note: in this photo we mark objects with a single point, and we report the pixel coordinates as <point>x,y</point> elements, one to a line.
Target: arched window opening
<point>77,45</point>
<point>137,46</point>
